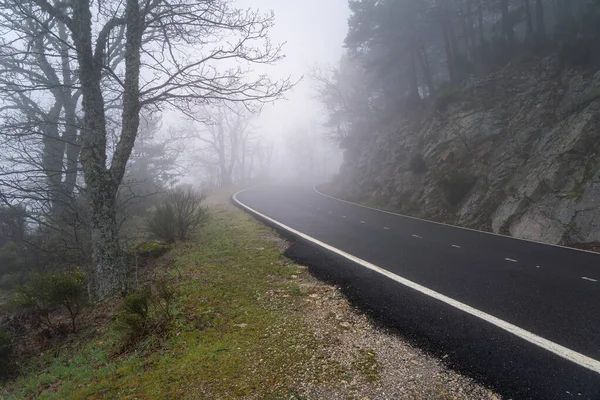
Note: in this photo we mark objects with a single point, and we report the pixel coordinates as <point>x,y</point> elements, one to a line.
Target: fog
<point>312,33</point>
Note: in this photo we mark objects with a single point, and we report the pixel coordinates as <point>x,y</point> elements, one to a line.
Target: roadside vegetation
<point>223,315</point>
<point>201,324</point>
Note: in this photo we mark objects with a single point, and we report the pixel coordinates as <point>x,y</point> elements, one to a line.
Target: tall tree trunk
<point>528,19</point>
<point>507,28</point>
<point>540,21</point>
<point>471,31</point>
<point>413,79</point>
<point>426,68</point>
<point>52,156</point>
<point>70,135</point>
<point>448,49</point>
<point>107,256</point>
<point>465,31</point>
<point>102,183</point>
<point>564,13</point>
<point>482,54</point>
<point>73,148</point>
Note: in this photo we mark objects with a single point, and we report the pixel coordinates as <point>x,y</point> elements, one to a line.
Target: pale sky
<point>314,31</point>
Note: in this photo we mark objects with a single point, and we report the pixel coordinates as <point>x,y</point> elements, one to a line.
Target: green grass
<point>238,331</point>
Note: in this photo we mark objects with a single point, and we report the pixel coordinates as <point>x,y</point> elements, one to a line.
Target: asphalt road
<point>549,296</point>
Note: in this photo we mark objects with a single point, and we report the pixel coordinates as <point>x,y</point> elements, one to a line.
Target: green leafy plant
<point>178,215</point>
<point>47,291</point>
<point>146,312</point>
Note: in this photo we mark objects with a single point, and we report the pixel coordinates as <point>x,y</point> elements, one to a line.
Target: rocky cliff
<point>515,153</point>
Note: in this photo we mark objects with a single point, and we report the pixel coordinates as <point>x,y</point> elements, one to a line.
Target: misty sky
<point>314,31</point>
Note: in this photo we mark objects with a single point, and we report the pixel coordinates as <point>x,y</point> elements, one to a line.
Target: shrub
<point>46,291</point>
<point>147,311</point>
<point>178,215</point>
<point>6,348</point>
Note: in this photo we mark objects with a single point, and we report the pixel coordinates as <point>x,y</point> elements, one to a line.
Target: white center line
<point>510,259</point>
<point>362,222</point>
<point>417,236</point>
<point>386,228</point>
<point>589,279</point>
<point>458,247</point>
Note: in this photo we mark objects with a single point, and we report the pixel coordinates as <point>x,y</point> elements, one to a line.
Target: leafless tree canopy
<point>230,150</point>
<point>75,75</point>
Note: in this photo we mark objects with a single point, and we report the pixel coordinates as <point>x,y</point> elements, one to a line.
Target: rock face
<point>516,154</point>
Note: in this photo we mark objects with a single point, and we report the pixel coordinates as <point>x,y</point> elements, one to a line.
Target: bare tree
<point>39,132</point>
<point>345,93</point>
<point>228,146</point>
<point>180,53</point>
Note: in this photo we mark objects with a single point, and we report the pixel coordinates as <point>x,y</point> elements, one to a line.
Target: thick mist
<point>286,140</point>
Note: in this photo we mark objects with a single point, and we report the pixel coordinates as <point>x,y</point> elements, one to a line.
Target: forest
<point>402,52</point>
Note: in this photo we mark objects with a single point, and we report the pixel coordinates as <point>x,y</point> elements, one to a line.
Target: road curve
<point>540,302</point>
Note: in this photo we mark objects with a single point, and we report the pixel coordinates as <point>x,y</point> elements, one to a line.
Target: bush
<point>178,215</point>
<point>145,312</point>
<point>46,291</point>
<point>6,348</point>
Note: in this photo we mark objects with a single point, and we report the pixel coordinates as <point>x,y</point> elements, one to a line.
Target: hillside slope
<point>513,153</point>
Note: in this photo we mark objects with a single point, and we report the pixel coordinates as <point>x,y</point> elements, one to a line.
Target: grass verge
<point>238,330</point>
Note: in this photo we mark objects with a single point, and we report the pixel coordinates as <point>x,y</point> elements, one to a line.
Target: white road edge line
<point>561,351</point>
<point>511,260</point>
<point>417,236</point>
<point>452,226</point>
<point>589,279</point>
<point>386,228</point>
<point>362,222</point>
<point>458,247</point>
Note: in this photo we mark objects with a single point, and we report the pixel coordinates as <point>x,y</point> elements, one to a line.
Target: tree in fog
<point>230,152</point>
<point>406,51</point>
<point>124,56</point>
<point>156,161</point>
<point>345,93</point>
<point>39,134</point>
<point>310,153</point>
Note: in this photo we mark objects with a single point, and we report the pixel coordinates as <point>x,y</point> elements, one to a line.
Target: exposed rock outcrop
<point>515,153</point>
